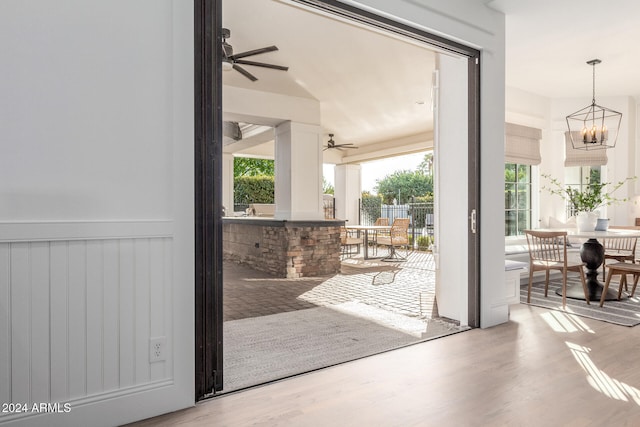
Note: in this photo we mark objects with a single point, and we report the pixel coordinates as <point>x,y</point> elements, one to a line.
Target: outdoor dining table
<point>366,229</point>
<point>592,254</point>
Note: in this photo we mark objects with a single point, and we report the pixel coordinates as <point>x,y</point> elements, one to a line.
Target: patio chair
<point>347,242</point>
<point>397,238</point>
<point>373,237</point>
<point>621,249</point>
<point>548,251</point>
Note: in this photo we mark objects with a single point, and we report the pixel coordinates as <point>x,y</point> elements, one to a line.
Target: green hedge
<point>254,189</point>
<point>371,208</point>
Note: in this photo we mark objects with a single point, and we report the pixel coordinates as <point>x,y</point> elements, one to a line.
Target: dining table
<point>366,229</point>
<point>592,254</point>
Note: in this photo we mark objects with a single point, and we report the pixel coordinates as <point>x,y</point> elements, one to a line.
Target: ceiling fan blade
<point>262,64</point>
<point>245,73</point>
<point>254,52</point>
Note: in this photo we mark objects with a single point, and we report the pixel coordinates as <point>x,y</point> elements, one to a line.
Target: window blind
<point>575,157</point>
<point>522,144</point>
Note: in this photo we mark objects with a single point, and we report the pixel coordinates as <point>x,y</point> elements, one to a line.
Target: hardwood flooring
<point>543,368</point>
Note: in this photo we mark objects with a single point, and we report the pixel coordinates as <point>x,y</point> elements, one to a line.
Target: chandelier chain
<point>593,99</point>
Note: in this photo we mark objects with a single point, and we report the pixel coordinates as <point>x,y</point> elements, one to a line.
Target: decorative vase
<point>586,221</point>
<point>602,224</point>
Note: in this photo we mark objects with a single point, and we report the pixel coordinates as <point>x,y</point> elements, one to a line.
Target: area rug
<point>625,312</point>
<point>262,349</point>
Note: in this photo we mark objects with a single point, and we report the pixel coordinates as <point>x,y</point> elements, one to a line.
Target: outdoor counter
<point>283,248</point>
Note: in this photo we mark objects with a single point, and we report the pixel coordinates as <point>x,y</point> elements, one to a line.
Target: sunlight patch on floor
<point>600,381</point>
<point>408,325</point>
<point>565,322</point>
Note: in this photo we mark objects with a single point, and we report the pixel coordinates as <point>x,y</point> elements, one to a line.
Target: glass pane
<point>509,172</point>
<point>524,196</point>
<point>524,173</point>
<point>524,221</point>
<point>510,196</point>
<point>594,175</point>
<point>510,223</point>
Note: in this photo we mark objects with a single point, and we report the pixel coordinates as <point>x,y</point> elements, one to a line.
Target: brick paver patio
<point>406,288</point>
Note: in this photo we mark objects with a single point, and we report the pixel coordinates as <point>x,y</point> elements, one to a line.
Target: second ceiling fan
<point>232,61</point>
<point>332,144</point>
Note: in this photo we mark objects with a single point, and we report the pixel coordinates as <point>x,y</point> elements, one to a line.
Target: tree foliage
<point>426,166</point>
<point>254,189</point>
<point>371,207</point>
<point>403,185</point>
<point>327,188</point>
<point>247,166</point>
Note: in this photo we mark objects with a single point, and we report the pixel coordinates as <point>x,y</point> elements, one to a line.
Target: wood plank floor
<point>543,368</point>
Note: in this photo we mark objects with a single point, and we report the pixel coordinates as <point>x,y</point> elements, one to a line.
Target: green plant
<point>254,189</point>
<point>592,197</point>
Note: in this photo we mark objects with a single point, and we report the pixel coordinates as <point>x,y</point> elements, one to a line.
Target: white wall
<point>549,115</point>
<point>621,159</point>
<point>472,23</point>
<point>96,208</point>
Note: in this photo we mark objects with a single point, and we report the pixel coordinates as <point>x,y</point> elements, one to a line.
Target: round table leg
<point>592,254</point>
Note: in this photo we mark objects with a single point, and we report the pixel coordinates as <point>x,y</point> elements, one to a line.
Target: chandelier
<point>594,127</point>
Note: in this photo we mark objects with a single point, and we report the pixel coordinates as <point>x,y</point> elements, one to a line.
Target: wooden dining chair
<point>621,249</point>
<point>621,268</point>
<point>398,237</point>
<point>548,251</point>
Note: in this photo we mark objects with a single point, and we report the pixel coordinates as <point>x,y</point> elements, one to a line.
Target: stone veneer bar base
<point>289,249</point>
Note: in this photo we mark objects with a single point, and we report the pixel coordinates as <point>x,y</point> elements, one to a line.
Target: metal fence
<point>421,228</point>
<point>329,206</point>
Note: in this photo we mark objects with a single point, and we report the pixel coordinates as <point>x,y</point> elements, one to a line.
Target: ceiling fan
<point>232,61</point>
<point>332,144</point>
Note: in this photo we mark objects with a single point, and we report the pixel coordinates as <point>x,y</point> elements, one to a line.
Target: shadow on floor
<point>274,328</point>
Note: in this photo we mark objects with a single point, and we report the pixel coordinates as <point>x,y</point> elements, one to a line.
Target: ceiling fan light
<point>226,65</point>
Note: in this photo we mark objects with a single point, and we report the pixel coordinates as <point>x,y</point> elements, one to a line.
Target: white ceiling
<point>548,43</point>
<point>368,84</point>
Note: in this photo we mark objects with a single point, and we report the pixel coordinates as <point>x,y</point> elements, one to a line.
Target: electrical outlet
<point>157,349</point>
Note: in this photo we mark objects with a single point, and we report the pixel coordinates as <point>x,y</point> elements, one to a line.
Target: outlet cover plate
<point>157,349</point>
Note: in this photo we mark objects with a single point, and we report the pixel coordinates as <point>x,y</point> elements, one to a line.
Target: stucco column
<point>227,183</point>
<point>298,155</point>
<point>348,191</point>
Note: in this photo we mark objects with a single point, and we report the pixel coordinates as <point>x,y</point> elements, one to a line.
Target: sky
<point>378,169</point>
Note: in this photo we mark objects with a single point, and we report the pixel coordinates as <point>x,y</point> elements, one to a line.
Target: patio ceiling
<point>374,90</point>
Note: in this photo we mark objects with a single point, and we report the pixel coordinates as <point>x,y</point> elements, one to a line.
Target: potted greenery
<point>586,202</point>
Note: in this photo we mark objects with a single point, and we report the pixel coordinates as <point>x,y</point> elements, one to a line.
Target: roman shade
<point>522,144</point>
<point>575,157</point>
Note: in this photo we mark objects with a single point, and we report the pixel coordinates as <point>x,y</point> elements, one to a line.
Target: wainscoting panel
<point>77,316</point>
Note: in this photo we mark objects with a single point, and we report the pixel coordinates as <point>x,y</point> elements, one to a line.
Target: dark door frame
<point>208,172</point>
<point>208,196</point>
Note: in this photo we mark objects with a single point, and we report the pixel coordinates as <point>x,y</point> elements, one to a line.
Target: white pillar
<point>298,155</point>
<point>227,183</point>
<point>348,191</point>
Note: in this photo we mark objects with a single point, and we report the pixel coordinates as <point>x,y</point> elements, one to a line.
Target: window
<point>517,199</point>
<point>579,177</point>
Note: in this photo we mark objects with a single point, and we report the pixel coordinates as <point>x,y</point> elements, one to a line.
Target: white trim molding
<point>38,231</point>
